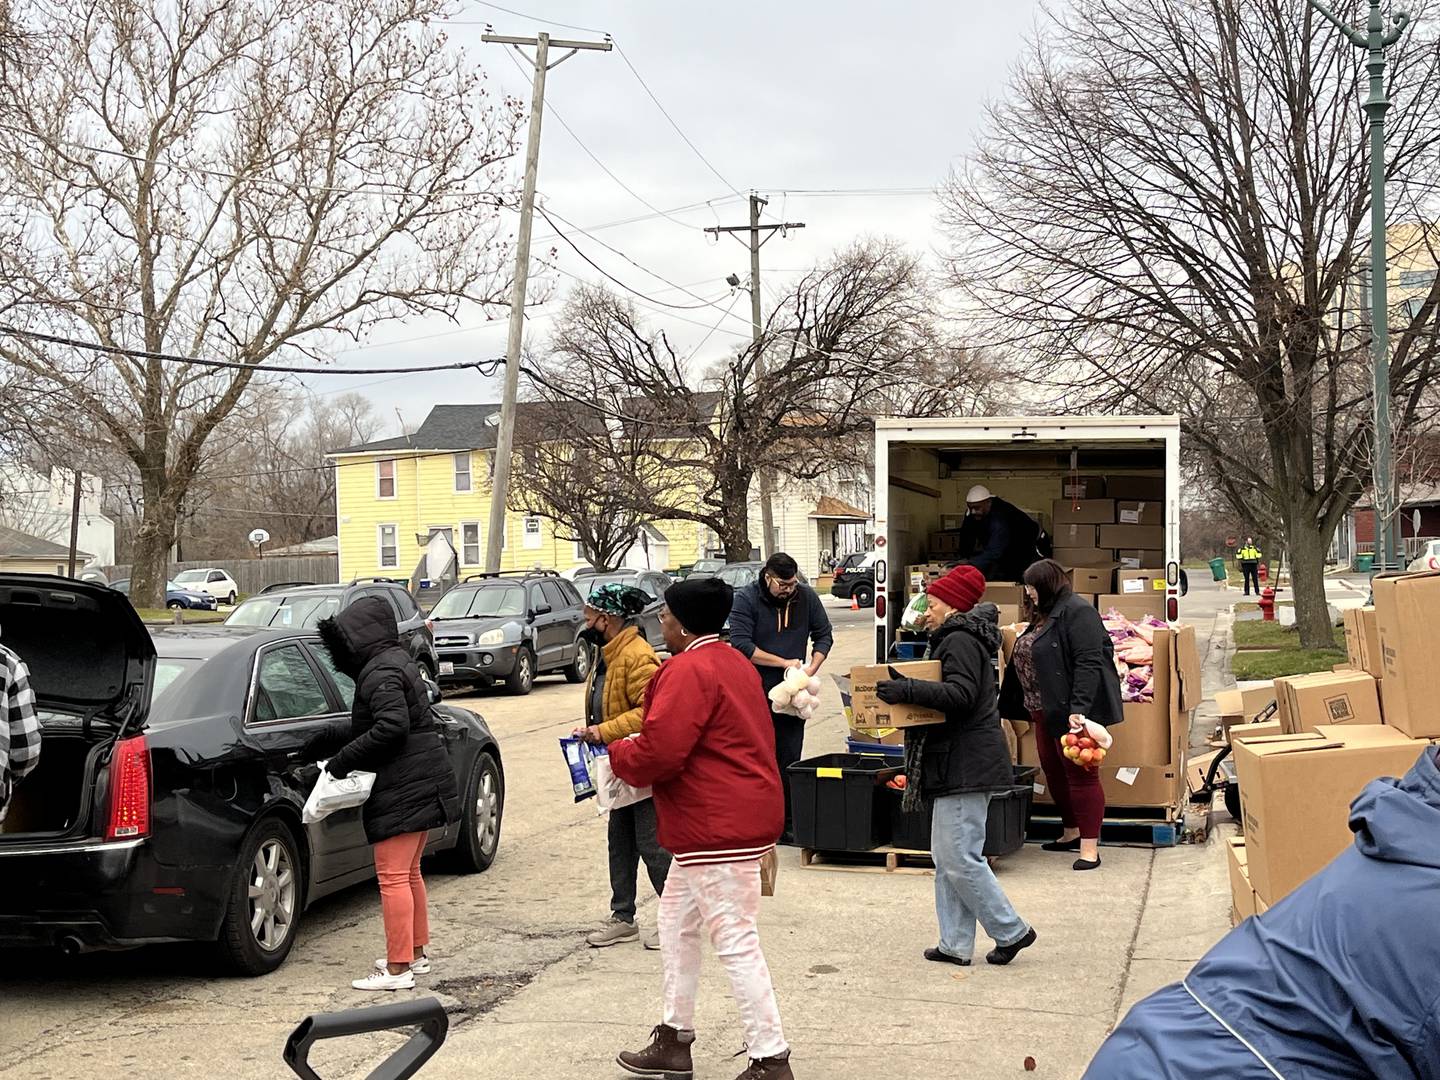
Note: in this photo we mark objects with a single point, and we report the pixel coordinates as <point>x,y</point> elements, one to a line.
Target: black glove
<point>893,691</point>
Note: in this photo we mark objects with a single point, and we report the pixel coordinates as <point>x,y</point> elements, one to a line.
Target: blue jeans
<point>965,887</point>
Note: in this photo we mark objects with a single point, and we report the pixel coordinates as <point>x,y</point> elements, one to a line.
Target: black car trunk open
<point>91,664</point>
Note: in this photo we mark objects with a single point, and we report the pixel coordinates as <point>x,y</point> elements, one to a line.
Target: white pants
<point>724,899</point>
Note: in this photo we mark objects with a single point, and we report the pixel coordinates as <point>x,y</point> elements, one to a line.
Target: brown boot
<point>667,1057</point>
<point>771,1068</point>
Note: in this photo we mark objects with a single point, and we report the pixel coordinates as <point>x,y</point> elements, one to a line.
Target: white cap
<point>977,494</point>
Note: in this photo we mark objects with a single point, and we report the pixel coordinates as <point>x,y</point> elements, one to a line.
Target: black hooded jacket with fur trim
<point>392,731</point>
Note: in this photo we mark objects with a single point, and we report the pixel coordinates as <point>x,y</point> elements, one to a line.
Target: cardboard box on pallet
<point>1242,893</point>
<point>1093,580</point>
<point>1082,487</point>
<point>1139,512</point>
<point>1084,512</point>
<point>1296,792</point>
<point>1326,699</point>
<point>1405,608</point>
<point>868,711</point>
<point>1136,559</point>
<point>1133,607</point>
<point>1362,641</point>
<point>1145,537</point>
<point>1135,487</point>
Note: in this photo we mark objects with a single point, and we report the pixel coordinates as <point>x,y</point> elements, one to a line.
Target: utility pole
<point>505,436</point>
<point>1375,39</point>
<point>767,479</point>
<point>75,521</point>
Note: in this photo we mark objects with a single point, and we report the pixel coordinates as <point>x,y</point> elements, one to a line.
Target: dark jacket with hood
<point>792,628</point>
<point>968,752</point>
<point>1340,979</point>
<point>1002,544</point>
<point>392,731</point>
<point>1075,667</point>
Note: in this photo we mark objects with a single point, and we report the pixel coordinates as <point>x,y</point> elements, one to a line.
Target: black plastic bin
<point>1004,828</point>
<point>838,801</point>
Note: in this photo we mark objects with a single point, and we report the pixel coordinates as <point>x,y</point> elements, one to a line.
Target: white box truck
<point>1092,482</point>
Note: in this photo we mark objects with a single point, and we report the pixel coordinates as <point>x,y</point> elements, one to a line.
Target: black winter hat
<point>701,604</point>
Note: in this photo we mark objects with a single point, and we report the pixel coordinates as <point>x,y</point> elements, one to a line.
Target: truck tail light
<point>129,790</point>
<point>879,606</point>
<point>1172,609</point>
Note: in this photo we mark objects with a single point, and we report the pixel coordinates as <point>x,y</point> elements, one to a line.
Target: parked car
<point>1428,559</point>
<point>166,804</point>
<point>855,579</point>
<point>217,583</point>
<point>297,605</point>
<point>651,582</point>
<point>703,568</point>
<point>510,628</point>
<point>175,597</point>
<point>740,574</point>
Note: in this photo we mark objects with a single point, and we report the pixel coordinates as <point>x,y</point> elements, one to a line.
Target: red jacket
<point>708,751</point>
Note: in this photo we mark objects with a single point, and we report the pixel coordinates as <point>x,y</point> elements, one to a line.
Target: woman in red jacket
<point>708,751</point>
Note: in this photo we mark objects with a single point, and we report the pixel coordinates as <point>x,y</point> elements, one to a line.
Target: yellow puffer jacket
<point>630,664</point>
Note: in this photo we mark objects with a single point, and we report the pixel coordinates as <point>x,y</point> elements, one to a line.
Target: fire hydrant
<point>1267,604</point>
<point>1263,573</point>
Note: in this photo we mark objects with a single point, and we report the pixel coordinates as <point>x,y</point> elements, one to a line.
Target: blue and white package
<point>578,755</point>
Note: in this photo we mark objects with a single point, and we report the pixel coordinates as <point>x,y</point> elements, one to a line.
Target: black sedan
<point>166,805</point>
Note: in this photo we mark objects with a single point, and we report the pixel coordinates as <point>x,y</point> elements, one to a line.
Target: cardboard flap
<point>1187,662</point>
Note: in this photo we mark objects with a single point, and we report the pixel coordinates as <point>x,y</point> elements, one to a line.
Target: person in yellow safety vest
<point>1249,558</point>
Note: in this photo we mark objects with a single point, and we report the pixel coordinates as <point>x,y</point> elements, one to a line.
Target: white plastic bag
<point>1099,732</point>
<point>330,794</point>
<point>610,790</point>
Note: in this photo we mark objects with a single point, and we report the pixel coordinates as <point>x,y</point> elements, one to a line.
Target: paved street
<point>529,999</point>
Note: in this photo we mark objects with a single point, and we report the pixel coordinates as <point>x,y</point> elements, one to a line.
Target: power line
<point>524,15</point>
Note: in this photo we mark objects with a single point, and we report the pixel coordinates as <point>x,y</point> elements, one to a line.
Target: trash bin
<point>1217,569</point>
<point>837,801</point>
<point>1364,564</point>
<point>1004,825</point>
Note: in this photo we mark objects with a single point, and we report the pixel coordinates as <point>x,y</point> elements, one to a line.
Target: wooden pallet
<point>1127,826</point>
<point>882,860</point>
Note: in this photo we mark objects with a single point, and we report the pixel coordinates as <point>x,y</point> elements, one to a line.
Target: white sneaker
<point>652,940</point>
<point>383,980</point>
<point>419,967</point>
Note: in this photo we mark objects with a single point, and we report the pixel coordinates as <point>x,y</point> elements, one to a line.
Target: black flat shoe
<point>1003,954</point>
<point>1087,864</point>
<point>939,957</point>
<point>1062,845</point>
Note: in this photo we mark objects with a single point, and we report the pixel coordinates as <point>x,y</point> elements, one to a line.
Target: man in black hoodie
<point>779,623</point>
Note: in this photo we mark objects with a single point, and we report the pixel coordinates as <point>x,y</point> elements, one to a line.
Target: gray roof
<point>463,427</point>
<point>15,544</point>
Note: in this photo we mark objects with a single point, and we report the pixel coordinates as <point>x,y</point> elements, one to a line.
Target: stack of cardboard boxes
<point>1110,533</point>
<point>1334,733</point>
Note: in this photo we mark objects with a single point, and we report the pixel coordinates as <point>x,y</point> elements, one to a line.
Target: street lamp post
<point>1374,39</point>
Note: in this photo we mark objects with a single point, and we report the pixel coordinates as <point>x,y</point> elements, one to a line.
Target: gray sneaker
<point>615,932</point>
<point>652,940</point>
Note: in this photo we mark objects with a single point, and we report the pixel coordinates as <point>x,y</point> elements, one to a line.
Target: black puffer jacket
<point>392,732</point>
<point>968,752</point>
<point>1075,669</point>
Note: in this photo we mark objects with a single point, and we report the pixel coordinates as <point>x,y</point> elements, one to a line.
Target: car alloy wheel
<point>272,895</point>
<point>487,811</point>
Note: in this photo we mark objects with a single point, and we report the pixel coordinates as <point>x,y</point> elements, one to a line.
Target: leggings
<point>1075,789</point>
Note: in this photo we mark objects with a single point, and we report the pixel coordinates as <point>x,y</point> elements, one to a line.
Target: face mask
<point>592,635</point>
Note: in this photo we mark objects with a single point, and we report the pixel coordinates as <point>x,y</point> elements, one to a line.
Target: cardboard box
<point>951,522</point>
<point>1138,559</point>
<point>1007,593</point>
<point>1089,556</point>
<point>1139,512</point>
<point>1009,614</point>
<point>1328,699</point>
<point>879,736</point>
<point>1095,580</point>
<point>1242,706</point>
<point>1260,905</point>
<point>1362,641</point>
<point>1152,785</point>
<point>920,575</point>
<point>1145,537</point>
<point>1076,536</point>
<point>944,543</point>
<point>1149,488</point>
<point>1405,609</point>
<point>1084,512</point>
<point>1296,792</point>
<point>1242,893</point>
<point>870,712</point>
<point>1140,582</point>
<point>1133,607</point>
<point>1255,731</point>
<point>1082,487</point>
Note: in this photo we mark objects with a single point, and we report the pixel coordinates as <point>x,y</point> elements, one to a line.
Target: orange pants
<point>402,896</point>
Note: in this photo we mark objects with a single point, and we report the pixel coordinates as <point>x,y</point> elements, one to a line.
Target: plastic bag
<point>793,695</point>
<point>915,613</point>
<point>578,756</point>
<point>1086,743</point>
<point>331,794</point>
<point>610,790</point>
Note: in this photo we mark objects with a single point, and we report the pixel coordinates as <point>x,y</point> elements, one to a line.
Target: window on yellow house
<point>470,543</point>
<point>385,478</point>
<point>533,537</point>
<point>389,546</point>
<point>462,471</point>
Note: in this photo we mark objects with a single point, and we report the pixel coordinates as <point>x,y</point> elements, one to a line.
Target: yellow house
<point>392,495</point>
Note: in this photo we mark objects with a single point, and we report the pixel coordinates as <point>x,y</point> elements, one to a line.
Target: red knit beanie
<point>961,588</point>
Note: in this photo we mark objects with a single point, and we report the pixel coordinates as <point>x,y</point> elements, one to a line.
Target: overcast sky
<point>780,97</point>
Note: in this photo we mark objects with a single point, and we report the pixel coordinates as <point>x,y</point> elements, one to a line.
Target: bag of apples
<point>1086,742</point>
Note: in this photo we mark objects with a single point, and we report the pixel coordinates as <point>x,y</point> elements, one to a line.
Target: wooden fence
<point>252,575</point>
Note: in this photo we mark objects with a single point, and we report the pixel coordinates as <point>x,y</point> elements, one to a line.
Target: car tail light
<point>129,790</point>
<point>879,606</point>
<point>1435,562</point>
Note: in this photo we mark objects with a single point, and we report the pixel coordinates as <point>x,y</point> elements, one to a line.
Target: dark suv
<point>652,583</point>
<point>510,628</point>
<point>300,605</point>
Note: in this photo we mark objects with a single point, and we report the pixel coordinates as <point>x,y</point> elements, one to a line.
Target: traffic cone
<point>854,604</point>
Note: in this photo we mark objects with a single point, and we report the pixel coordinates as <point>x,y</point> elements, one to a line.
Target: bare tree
<point>235,180</point>
<point>1164,217</point>
<point>854,337</point>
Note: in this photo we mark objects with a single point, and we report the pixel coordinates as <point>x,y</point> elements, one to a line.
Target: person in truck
<point>19,727</point>
<point>779,623</point>
<point>997,538</point>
